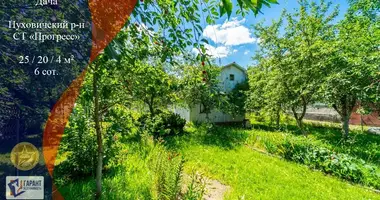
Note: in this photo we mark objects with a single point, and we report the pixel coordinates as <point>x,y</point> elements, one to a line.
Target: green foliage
<point>168,171</point>
<point>79,146</point>
<point>289,69</point>
<point>235,100</point>
<point>148,83</point>
<point>337,164</point>
<point>226,6</point>
<point>353,62</point>
<point>355,160</point>
<point>200,86</point>
<point>143,169</point>
<point>317,59</point>
<point>196,188</point>
<point>164,123</point>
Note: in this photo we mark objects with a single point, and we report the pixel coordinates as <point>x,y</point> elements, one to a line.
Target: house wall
<point>183,112</point>
<point>214,116</point>
<point>194,113</point>
<point>225,81</point>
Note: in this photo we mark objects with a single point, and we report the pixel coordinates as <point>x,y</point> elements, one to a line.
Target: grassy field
<point>252,175</point>
<point>226,155</point>
<point>237,158</point>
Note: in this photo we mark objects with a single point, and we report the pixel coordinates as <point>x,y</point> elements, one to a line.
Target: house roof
<point>237,66</point>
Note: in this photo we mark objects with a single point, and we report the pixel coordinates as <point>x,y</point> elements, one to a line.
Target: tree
<point>290,59</point>
<point>158,30</point>
<point>235,100</point>
<point>264,94</point>
<point>200,86</point>
<point>149,84</point>
<point>104,97</point>
<point>354,63</point>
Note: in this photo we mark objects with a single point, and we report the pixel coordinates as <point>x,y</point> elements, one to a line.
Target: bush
<point>337,164</point>
<point>78,148</point>
<point>164,123</point>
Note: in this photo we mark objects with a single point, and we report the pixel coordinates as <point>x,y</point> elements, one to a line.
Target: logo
<point>25,156</point>
<point>25,187</point>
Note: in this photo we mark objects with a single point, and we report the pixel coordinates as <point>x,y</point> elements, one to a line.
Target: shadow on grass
<point>225,137</point>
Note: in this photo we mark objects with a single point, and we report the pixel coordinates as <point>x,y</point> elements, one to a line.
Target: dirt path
<point>215,190</point>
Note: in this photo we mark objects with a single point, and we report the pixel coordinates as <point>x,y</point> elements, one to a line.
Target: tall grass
<point>142,170</point>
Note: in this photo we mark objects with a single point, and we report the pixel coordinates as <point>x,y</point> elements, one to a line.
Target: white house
<point>230,76</point>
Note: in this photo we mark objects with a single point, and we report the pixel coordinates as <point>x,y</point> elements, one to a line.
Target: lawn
<point>253,175</point>
<point>231,156</point>
<point>240,159</point>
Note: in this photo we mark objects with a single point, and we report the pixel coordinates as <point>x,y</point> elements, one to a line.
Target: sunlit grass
<point>130,181</point>
<point>253,175</point>
<point>229,155</point>
<point>233,156</point>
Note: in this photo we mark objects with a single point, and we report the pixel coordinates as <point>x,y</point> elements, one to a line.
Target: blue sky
<point>233,40</point>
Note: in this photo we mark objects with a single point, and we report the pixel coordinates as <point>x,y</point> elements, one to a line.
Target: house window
<point>232,77</point>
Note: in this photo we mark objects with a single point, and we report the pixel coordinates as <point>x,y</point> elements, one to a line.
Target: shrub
<point>337,164</point>
<point>78,148</point>
<point>164,123</point>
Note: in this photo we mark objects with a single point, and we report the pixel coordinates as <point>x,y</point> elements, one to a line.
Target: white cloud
<point>215,52</point>
<point>235,50</point>
<point>246,52</point>
<point>230,33</point>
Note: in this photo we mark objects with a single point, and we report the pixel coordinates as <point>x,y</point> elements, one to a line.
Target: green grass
<point>253,175</point>
<point>231,156</point>
<point>360,144</point>
<point>142,170</point>
<point>133,180</point>
<point>227,154</point>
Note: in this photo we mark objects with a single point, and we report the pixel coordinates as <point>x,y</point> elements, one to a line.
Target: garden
<point>123,140</point>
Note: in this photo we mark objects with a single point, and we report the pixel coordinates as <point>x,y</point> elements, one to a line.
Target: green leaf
<point>227,4</point>
<point>205,41</point>
<point>273,1</point>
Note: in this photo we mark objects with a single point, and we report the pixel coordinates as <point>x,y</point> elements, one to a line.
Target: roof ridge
<point>236,65</point>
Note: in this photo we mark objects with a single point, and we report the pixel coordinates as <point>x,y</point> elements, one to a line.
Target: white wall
<point>214,116</point>
<point>224,78</point>
<point>183,112</point>
<point>194,113</point>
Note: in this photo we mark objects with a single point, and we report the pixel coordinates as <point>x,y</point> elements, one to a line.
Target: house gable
<point>231,75</point>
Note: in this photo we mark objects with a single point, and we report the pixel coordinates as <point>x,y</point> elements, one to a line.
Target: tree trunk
<point>151,110</point>
<point>99,140</point>
<point>300,126</point>
<point>151,105</point>
<point>300,117</point>
<point>345,126</point>
<point>346,105</point>
<point>278,118</point>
